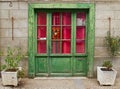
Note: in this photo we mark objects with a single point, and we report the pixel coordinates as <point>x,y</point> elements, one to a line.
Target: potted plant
<point>11,68</point>
<point>106,74</point>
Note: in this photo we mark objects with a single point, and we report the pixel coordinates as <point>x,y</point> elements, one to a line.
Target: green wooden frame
<point>31,28</point>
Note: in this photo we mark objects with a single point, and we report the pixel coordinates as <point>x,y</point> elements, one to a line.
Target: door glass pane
<point>55,32</point>
<point>61,32</point>
<point>41,32</point>
<point>66,39</point>
<point>66,32</point>
<point>80,32</point>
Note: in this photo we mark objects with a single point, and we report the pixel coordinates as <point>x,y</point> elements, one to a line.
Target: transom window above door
<point>65,34</point>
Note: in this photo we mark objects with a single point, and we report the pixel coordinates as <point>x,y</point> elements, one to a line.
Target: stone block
<point>105,6</point>
<point>19,14</point>
<point>71,0</point>
<point>5,23</point>
<point>108,6</point>
<point>6,5</point>
<point>101,52</point>
<point>18,41</point>
<point>21,32</point>
<point>105,0</point>
<point>117,15</point>
<point>23,5</point>
<point>5,32</point>
<point>104,15</point>
<point>8,0</point>
<point>99,42</point>
<point>101,24</point>
<point>115,5</point>
<point>101,32</point>
<point>115,32</point>
<point>4,14</point>
<point>24,64</point>
<point>20,23</point>
<point>115,24</point>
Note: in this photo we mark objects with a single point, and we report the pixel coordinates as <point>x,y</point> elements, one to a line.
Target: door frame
<point>31,28</point>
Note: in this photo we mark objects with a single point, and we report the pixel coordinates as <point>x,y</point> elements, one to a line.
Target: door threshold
<point>60,78</point>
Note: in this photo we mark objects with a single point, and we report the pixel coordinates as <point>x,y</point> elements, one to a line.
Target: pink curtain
<point>66,32</point>
<point>66,36</point>
<point>80,32</point>
<point>41,32</point>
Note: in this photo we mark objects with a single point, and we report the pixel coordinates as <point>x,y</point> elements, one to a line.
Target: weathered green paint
<point>60,65</point>
<point>91,37</point>
<point>64,65</point>
<point>41,65</point>
<point>61,6</point>
<point>80,65</point>
<point>49,41</point>
<point>30,41</point>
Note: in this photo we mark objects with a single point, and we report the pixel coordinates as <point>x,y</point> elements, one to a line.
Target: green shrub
<point>13,58</point>
<point>113,44</point>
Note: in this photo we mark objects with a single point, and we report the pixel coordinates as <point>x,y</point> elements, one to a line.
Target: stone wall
<point>19,10</point>
<point>105,10</point>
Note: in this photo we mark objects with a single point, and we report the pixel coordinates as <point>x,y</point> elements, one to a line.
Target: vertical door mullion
<point>73,24</point>
<point>75,15</point>
<point>61,33</point>
<point>86,38</point>
<point>74,32</point>
<point>36,28</point>
<point>49,40</point>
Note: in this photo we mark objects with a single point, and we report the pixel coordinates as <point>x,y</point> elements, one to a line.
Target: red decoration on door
<point>55,33</point>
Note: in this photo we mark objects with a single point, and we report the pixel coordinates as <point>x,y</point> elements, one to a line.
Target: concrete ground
<point>61,83</point>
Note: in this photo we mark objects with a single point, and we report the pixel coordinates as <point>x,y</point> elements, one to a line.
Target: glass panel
<point>41,32</point>
<point>81,17</point>
<point>41,46</point>
<point>80,32</point>
<point>41,18</point>
<point>80,46</point>
<point>55,33</point>
<point>55,47</point>
<point>66,18</point>
<point>66,39</point>
<point>61,32</point>
<point>56,18</point>
<point>66,32</point>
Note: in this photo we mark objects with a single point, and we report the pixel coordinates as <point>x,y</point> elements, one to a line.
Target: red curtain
<point>41,32</point>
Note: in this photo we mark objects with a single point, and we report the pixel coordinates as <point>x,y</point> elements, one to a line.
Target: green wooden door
<point>61,43</point>
<point>61,39</point>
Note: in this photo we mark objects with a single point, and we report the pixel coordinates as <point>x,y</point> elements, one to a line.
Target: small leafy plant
<point>113,44</point>
<point>107,66</point>
<point>21,74</point>
<point>13,58</point>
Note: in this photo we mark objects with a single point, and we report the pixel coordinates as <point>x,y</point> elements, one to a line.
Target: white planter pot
<point>9,78</point>
<point>106,77</point>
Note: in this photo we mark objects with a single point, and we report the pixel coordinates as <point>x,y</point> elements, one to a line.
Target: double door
<point>61,43</point>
